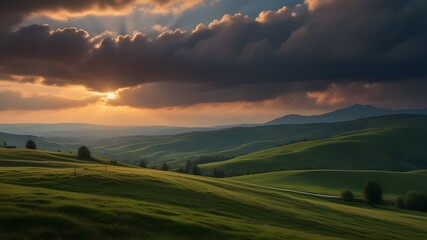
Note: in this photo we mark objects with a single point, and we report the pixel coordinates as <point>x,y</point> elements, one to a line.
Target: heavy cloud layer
<point>324,43</point>
<point>12,12</point>
<point>15,100</point>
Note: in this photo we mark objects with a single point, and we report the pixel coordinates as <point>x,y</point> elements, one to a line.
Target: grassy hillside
<point>334,181</point>
<point>394,148</point>
<point>116,202</point>
<point>40,158</point>
<point>233,142</point>
<point>42,143</point>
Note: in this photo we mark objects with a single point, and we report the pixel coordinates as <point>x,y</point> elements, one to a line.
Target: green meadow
<point>389,148</point>
<point>334,181</point>
<point>48,195</point>
<point>238,141</point>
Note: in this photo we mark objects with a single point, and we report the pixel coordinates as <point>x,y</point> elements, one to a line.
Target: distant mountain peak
<point>353,112</point>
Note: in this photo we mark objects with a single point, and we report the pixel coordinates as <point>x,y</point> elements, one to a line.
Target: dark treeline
<point>190,167</point>
<point>218,173</point>
<point>211,159</point>
<point>5,145</point>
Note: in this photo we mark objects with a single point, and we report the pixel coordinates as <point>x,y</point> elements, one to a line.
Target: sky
<point>207,62</point>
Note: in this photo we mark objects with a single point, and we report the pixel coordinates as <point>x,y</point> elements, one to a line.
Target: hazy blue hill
<point>353,112</point>
<point>74,132</point>
<point>397,146</point>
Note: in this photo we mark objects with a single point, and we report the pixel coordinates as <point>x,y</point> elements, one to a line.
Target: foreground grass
<point>117,202</point>
<point>334,181</point>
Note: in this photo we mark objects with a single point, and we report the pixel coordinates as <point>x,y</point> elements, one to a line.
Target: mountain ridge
<point>353,112</point>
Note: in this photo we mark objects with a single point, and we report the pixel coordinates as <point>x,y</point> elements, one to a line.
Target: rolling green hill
<point>334,181</point>
<point>39,158</point>
<point>234,141</point>
<point>42,143</point>
<point>393,148</point>
<point>101,201</point>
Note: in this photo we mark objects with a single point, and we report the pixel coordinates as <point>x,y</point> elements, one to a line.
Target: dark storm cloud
<point>13,100</point>
<point>159,95</point>
<point>335,41</point>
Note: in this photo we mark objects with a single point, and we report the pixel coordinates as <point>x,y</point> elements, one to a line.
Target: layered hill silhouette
<point>353,112</point>
<point>392,143</point>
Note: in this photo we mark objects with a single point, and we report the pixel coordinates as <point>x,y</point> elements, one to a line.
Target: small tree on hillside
<point>347,196</point>
<point>143,163</point>
<point>165,167</point>
<point>215,173</point>
<point>218,173</point>
<point>31,144</point>
<point>372,192</point>
<point>84,153</point>
<point>196,170</point>
<point>188,166</point>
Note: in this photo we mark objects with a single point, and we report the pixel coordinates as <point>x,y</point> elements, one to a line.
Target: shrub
<point>188,166</point>
<point>399,202</point>
<point>372,192</point>
<point>218,173</point>
<point>84,153</point>
<point>143,163</point>
<point>196,170</point>
<point>347,196</point>
<point>416,200</point>
<point>165,167</point>
<point>31,144</point>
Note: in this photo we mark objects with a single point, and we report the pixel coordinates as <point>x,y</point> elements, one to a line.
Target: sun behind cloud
<point>110,96</point>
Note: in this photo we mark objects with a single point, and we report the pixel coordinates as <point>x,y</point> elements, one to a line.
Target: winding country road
<point>288,190</point>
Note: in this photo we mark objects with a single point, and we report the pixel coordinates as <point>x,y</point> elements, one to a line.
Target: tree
<point>84,153</point>
<point>218,173</point>
<point>372,192</point>
<point>215,173</point>
<point>221,173</point>
<point>165,167</point>
<point>347,196</point>
<point>188,166</point>
<point>31,144</point>
<point>416,200</point>
<point>399,202</point>
<point>143,163</point>
<point>196,170</point>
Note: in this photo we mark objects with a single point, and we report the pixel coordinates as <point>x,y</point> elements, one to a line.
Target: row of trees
<point>373,194</point>
<point>190,168</point>
<point>412,200</point>
<point>30,145</point>
<point>82,153</point>
<point>218,173</point>
<point>5,145</point>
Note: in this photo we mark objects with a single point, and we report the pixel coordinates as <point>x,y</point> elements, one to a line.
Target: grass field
<point>42,198</point>
<point>334,181</point>
<point>177,149</point>
<point>392,148</point>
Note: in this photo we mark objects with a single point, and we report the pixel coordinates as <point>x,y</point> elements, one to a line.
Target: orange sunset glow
<point>213,119</point>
